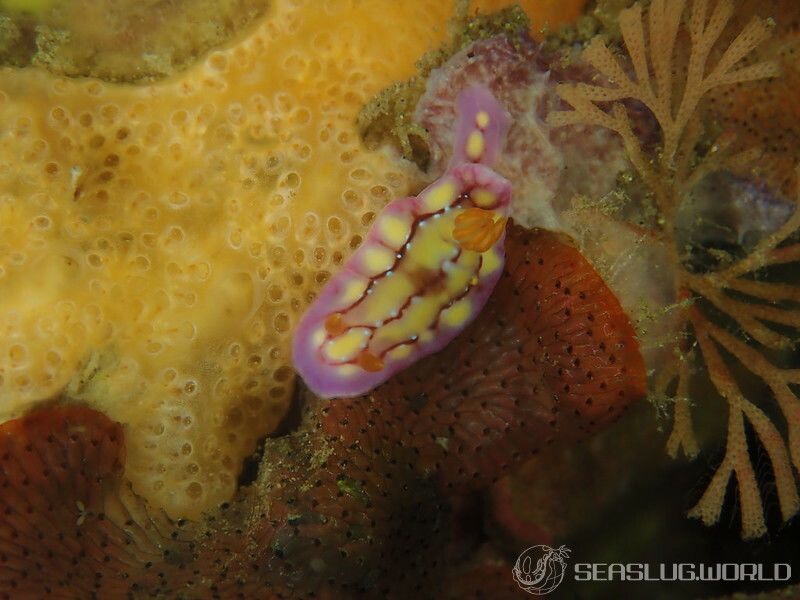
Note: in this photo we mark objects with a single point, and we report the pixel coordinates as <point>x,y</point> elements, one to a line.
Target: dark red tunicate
<point>552,355</point>
<point>369,496</point>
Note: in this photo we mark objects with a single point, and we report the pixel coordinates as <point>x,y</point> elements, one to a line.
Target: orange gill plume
<point>741,310</point>
<point>477,229</point>
<point>359,501</point>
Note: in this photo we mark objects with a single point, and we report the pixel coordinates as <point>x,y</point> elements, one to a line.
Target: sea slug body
<point>423,273</point>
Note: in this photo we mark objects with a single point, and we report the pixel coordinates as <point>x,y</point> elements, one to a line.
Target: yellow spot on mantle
<point>418,317</point>
<point>377,260</point>
<point>348,370</point>
<point>491,262</point>
<point>440,197</point>
<point>354,289</point>
<point>433,243</point>
<point>400,352</point>
<point>483,198</point>
<point>394,230</point>
<point>482,119</point>
<point>457,315</point>
<point>384,300</point>
<point>346,346</point>
<point>475,145</point>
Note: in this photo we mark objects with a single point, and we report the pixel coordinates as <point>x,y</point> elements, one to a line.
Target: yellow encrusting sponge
<point>158,243</point>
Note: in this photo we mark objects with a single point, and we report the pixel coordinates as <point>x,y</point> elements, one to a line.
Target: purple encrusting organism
<point>424,272</point>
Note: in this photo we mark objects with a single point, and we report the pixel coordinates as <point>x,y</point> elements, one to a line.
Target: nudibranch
<point>423,273</point>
